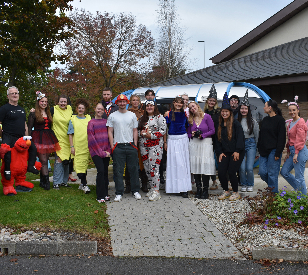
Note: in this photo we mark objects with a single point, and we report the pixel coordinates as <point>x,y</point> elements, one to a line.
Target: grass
<point>67,209</point>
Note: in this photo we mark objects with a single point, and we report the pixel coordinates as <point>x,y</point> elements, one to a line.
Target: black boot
<point>46,182</point>
<point>184,194</point>
<point>41,180</point>
<point>144,180</point>
<point>127,182</point>
<point>198,185</point>
<point>206,181</point>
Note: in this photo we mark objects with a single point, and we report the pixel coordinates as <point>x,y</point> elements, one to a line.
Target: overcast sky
<point>218,22</point>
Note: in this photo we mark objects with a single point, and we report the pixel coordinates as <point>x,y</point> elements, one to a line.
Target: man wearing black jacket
<point>109,106</point>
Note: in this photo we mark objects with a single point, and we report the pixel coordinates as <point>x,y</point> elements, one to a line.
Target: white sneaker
<point>155,196</point>
<point>149,193</point>
<point>137,196</point>
<point>244,189</point>
<point>118,198</point>
<point>80,186</point>
<point>86,189</point>
<point>249,189</point>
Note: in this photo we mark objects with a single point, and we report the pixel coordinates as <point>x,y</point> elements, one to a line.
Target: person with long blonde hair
<point>230,150</point>
<point>202,163</point>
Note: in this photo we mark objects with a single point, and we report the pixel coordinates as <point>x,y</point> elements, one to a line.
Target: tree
<point>29,30</point>
<point>115,44</point>
<point>170,59</point>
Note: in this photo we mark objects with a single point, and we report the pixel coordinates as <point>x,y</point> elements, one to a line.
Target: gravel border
<point>227,216</point>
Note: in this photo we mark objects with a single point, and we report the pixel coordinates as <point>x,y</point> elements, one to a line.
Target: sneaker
<point>149,193</point>
<point>244,189</point>
<point>235,196</point>
<point>56,186</point>
<point>224,195</point>
<point>118,198</point>
<point>249,189</point>
<point>214,186</point>
<point>137,196</point>
<point>65,185</point>
<point>101,201</point>
<point>21,188</point>
<point>86,189</point>
<point>107,198</point>
<point>80,186</point>
<point>155,196</point>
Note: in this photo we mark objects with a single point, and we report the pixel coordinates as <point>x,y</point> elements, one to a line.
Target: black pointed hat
<point>245,100</point>
<point>226,102</point>
<point>213,93</point>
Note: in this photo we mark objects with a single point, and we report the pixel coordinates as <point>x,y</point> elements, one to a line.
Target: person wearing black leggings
<point>230,150</point>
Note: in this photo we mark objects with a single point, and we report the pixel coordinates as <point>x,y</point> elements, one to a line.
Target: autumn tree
<point>29,31</point>
<point>171,57</point>
<point>114,44</point>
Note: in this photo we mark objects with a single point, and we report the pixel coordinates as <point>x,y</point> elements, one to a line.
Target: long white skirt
<point>178,168</point>
<point>201,155</point>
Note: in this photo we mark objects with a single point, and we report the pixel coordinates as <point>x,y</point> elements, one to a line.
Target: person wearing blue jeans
<point>269,167</point>
<point>272,139</point>
<point>251,132</point>
<point>297,154</point>
<point>297,181</point>
<point>246,169</point>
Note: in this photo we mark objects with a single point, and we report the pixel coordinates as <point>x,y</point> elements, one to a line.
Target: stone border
<point>49,248</point>
<point>287,254</point>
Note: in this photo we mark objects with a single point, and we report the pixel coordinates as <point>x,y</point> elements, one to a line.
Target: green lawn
<point>65,209</point>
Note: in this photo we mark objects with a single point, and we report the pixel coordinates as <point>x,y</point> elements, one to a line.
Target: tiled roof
<point>283,60</point>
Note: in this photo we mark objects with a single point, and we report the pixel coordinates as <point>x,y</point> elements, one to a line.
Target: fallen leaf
<point>13,260</point>
<point>96,211</point>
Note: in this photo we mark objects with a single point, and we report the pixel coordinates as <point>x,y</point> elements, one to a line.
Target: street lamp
<point>203,52</point>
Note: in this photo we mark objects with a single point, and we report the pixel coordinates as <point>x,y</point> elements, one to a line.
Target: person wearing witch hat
<point>234,104</point>
<point>230,149</point>
<point>123,138</point>
<point>251,132</point>
<point>109,106</point>
<point>211,108</point>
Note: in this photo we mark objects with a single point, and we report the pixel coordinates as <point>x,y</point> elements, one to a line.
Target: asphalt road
<point>113,265</point>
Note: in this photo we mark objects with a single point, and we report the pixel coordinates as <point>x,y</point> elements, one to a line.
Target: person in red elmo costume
<point>19,166</point>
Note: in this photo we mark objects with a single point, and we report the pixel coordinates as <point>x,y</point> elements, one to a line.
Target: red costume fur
<point>19,165</point>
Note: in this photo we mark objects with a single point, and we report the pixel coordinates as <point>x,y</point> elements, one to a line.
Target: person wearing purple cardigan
<point>202,163</point>
<point>100,151</point>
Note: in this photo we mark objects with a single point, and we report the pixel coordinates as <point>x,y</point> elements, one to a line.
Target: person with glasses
<point>14,126</point>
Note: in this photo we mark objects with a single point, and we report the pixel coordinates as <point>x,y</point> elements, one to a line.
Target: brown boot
<point>144,180</point>
<point>127,182</point>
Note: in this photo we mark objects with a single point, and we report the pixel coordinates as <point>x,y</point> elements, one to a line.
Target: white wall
<point>293,29</point>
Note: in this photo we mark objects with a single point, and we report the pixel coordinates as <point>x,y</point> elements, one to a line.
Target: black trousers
<point>10,140</point>
<point>101,177</point>
<point>229,167</point>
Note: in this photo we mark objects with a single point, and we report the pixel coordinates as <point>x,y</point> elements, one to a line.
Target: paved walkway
<point>170,227</point>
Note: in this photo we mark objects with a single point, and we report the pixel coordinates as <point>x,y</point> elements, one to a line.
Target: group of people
<point>194,142</point>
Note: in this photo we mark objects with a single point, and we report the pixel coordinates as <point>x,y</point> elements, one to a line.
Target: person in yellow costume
<point>61,116</point>
<point>79,142</point>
